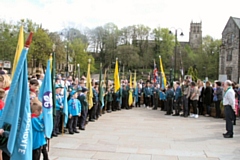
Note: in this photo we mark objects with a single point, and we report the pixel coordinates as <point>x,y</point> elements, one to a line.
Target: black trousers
<point>5,156</point>
<point>155,100</point>
<point>98,111</point>
<point>124,102</point>
<point>83,118</point>
<point>169,105</point>
<point>200,107</point>
<point>109,105</point>
<point>92,111</point>
<point>44,152</point>
<point>148,101</point>
<point>218,110</point>
<point>178,105</point>
<point>185,106</point>
<point>229,116</point>
<point>139,101</point>
<point>36,154</point>
<point>57,122</point>
<point>194,105</point>
<point>72,123</point>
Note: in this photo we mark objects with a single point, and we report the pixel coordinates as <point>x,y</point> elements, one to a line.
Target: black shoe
<point>175,115</point>
<point>82,129</point>
<point>76,131</point>
<point>91,120</point>
<point>154,109</point>
<point>54,135</point>
<point>167,114</point>
<point>228,136</point>
<point>71,132</point>
<point>109,111</point>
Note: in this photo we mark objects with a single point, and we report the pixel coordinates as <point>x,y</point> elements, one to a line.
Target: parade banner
<point>116,78</point>
<point>45,96</point>
<point>89,87</point>
<point>16,117</point>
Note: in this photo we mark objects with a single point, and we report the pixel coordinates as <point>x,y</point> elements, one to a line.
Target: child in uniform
<point>37,129</point>
<point>74,111</point>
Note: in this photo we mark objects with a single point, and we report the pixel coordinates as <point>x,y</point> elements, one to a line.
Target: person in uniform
<point>74,111</point>
<point>177,99</point>
<point>148,94</point>
<point>59,108</point>
<point>169,97</point>
<point>82,97</point>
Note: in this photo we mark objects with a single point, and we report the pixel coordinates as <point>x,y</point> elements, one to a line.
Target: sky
<point>55,15</point>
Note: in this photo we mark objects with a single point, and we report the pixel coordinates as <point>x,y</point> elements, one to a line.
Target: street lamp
<point>170,77</point>
<point>175,56</point>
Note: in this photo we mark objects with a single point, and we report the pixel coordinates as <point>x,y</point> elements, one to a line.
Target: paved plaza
<point>145,134</point>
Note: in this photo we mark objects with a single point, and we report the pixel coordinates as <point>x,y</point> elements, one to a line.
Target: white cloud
<point>58,14</point>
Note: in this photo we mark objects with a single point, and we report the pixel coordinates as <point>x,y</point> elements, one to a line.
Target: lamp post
<point>175,52</point>
<point>170,77</point>
<point>78,65</point>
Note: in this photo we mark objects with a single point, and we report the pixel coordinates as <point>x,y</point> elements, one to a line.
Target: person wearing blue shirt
<point>82,97</point>
<point>59,107</point>
<point>177,99</point>
<point>137,95</point>
<point>37,129</point>
<point>74,111</point>
<point>162,97</point>
<point>148,94</point>
<point>169,97</point>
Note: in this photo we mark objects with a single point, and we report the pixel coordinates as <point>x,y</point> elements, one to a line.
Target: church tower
<point>195,35</point>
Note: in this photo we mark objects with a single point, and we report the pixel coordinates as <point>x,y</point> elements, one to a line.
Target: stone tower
<point>195,35</point>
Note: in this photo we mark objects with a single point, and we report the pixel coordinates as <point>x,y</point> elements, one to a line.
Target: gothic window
<point>232,38</point>
<point>229,39</point>
<point>229,55</point>
<point>229,72</point>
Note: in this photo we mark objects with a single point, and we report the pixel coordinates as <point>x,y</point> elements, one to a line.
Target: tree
<point>128,55</point>
<point>164,45</point>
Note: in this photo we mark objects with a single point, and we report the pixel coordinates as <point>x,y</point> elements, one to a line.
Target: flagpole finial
<point>29,40</point>
<point>89,60</point>
<point>101,65</point>
<point>116,58</point>
<point>159,56</point>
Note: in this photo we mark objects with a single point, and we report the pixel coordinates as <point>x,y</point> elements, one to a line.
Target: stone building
<point>229,55</point>
<point>195,35</point>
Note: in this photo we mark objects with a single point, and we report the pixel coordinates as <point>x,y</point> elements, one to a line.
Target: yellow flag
<point>130,97</point>
<point>89,87</point>
<point>116,78</point>
<point>163,74</point>
<point>19,48</point>
<point>134,80</point>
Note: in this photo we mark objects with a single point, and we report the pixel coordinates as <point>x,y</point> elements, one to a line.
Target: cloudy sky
<point>174,14</point>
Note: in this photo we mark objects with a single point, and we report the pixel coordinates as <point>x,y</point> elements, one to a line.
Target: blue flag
<point>65,107</point>
<point>45,96</point>
<point>17,114</point>
<point>136,95</point>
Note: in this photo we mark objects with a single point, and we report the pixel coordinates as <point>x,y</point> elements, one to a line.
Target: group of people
<point>179,99</point>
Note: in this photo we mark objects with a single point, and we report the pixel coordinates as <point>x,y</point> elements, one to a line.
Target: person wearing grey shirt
<point>229,106</point>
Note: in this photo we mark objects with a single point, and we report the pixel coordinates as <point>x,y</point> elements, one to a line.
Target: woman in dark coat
<point>208,97</point>
<point>218,92</point>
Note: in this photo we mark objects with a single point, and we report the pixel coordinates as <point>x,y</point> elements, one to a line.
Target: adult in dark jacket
<point>219,94</point>
<point>208,97</point>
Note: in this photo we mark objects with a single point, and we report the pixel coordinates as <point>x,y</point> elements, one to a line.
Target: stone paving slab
<point>146,134</point>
